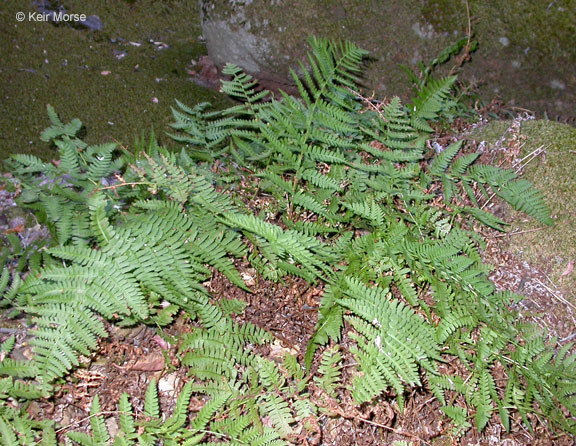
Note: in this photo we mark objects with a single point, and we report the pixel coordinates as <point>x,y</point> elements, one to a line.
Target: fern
<point>329,371</point>
<point>353,207</point>
<point>431,100</point>
<point>61,193</point>
<point>394,359</point>
<point>16,426</point>
<point>172,430</point>
<point>519,193</point>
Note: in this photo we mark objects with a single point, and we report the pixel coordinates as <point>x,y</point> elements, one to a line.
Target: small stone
<point>169,383</point>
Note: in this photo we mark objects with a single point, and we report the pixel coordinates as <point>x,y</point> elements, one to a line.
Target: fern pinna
<point>357,208</point>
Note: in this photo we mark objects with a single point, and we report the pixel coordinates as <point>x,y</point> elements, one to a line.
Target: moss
<point>553,173</point>
<point>444,15</point>
<point>525,49</point>
<point>63,66</point>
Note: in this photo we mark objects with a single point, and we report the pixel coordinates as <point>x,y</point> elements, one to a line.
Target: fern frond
<point>126,420</point>
<point>441,161</point>
<point>329,371</point>
<point>482,399</point>
<point>279,412</point>
<point>151,402</point>
<point>432,99</point>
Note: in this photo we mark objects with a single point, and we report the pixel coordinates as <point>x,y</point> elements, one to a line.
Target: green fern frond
<point>433,99</point>
<point>100,434</point>
<point>283,248</point>
<point>459,417</point>
<point>520,194</point>
<point>333,67</point>
<point>482,399</point>
<point>320,180</point>
<point>58,128</point>
<point>485,217</point>
<point>369,210</point>
<point>310,203</point>
<point>329,371</point>
<point>179,416</point>
<point>330,322</point>
<point>523,197</point>
<point>151,401</point>
<point>62,333</point>
<point>441,162</point>
<point>275,407</point>
<point>380,322</point>
<point>126,420</point>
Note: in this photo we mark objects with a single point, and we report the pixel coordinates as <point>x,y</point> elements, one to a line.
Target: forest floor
<point>114,71</point>
<point>130,357</point>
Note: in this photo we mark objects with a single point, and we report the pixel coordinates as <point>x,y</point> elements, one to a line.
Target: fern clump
<point>359,208</point>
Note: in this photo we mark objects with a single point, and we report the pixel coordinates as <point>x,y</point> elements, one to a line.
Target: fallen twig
<point>521,232</point>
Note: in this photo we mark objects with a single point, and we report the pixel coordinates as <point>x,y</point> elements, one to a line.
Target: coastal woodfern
<point>354,204</point>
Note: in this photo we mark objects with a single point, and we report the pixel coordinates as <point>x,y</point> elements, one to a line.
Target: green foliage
<point>462,174</point>
<point>440,97</point>
<point>16,426</point>
<point>181,427</point>
<point>329,371</point>
<point>59,191</point>
<point>352,204</point>
<point>392,342</point>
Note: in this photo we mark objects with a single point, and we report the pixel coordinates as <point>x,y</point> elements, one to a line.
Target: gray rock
<point>51,9</point>
<point>268,38</point>
<point>93,23</point>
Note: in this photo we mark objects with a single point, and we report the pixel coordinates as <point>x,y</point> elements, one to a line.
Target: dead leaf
<point>277,351</point>
<point>19,228</point>
<point>568,269</point>
<point>150,363</point>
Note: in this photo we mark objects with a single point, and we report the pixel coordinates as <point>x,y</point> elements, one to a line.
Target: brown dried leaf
<point>568,269</point>
<point>150,363</point>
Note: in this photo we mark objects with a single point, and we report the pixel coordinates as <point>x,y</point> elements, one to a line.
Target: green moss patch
<point>553,172</point>
<point>117,88</point>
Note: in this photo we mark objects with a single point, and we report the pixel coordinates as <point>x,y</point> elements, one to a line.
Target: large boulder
<point>526,53</point>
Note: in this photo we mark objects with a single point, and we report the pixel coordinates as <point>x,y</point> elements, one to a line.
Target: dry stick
<point>104,412</point>
<point>13,330</point>
<point>531,156</point>
<point>520,232</point>
<point>377,109</point>
<point>560,298</point>
<point>568,338</point>
<point>391,429</point>
<point>114,186</point>
<point>340,412</point>
<point>466,53</point>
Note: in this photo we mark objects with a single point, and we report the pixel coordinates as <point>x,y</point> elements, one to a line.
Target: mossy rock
<point>117,81</point>
<point>526,52</point>
<point>552,248</point>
